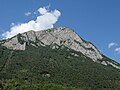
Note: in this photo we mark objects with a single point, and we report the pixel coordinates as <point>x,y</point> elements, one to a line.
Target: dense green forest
<point>44,68</point>
<point>15,85</point>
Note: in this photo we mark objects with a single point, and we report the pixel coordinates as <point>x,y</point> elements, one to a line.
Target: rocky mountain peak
<point>55,36</point>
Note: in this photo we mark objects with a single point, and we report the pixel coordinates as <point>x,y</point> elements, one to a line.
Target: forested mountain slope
<point>57,56</point>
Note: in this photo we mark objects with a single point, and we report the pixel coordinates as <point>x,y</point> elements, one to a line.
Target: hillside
<point>57,56</point>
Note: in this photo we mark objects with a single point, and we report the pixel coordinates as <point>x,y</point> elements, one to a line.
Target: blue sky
<point>97,21</point>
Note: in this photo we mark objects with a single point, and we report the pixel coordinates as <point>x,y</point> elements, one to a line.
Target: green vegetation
<point>54,69</point>
<point>15,85</point>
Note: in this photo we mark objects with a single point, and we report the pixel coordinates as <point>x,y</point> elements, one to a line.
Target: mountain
<point>58,56</point>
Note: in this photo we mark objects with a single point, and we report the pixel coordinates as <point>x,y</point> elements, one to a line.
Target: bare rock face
<point>14,44</point>
<point>59,36</point>
<point>54,38</point>
<point>113,65</point>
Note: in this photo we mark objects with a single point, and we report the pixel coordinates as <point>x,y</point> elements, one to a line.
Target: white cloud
<point>12,24</point>
<point>28,13</point>
<point>117,50</point>
<point>1,31</point>
<point>45,20</point>
<point>42,10</point>
<point>110,45</point>
<point>113,44</point>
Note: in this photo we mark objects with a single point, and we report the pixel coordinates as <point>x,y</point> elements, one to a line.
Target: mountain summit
<point>56,37</point>
<point>59,56</point>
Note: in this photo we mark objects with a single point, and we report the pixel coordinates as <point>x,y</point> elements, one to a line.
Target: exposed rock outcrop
<point>54,38</point>
<point>14,44</point>
<point>60,36</point>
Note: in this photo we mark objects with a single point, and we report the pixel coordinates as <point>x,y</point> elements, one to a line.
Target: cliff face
<point>54,37</point>
<point>57,55</point>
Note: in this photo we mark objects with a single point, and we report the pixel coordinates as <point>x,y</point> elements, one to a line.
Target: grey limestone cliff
<point>59,36</point>
<point>54,38</point>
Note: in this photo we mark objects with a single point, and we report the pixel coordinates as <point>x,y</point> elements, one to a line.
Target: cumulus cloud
<point>28,13</point>
<point>42,10</point>
<point>112,44</point>
<point>45,20</point>
<point>117,50</point>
